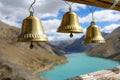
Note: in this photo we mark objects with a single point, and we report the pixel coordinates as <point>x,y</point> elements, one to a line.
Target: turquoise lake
<point>78,64</point>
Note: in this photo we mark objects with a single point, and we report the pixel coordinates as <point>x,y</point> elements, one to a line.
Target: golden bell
<point>93,34</point>
<point>32,30</point>
<point>70,24</point>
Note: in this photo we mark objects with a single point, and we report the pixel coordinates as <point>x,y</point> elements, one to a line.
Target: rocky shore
<point>109,74</point>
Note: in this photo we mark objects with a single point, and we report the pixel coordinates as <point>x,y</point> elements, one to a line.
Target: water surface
<point>78,64</point>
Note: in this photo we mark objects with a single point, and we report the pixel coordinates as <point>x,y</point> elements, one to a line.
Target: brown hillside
<point>18,55</point>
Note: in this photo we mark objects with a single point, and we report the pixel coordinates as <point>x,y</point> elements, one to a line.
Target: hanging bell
<point>70,24</point>
<point>32,30</point>
<point>93,34</point>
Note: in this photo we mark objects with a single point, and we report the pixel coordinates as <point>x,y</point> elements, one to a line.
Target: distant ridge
<point>72,46</point>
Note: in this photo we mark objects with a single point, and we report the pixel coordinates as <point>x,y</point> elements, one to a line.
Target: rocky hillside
<point>20,58</point>
<point>111,49</point>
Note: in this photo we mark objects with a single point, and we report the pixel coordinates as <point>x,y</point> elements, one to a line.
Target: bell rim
<point>39,38</point>
<point>32,40</point>
<point>70,29</point>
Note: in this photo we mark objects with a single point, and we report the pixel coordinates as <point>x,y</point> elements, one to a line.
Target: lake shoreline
<point>50,67</point>
<point>77,63</point>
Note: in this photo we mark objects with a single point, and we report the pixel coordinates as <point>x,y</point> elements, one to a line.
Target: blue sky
<point>50,12</point>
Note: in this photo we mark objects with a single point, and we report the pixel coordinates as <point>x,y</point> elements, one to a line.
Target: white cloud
<point>110,28</point>
<point>52,7</point>
<point>51,25</point>
<point>63,36</point>
<point>102,16</point>
<point>18,9</point>
<point>13,11</point>
<point>11,22</point>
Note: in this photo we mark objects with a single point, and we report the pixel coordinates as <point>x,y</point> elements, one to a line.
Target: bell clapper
<point>31,45</point>
<point>71,35</point>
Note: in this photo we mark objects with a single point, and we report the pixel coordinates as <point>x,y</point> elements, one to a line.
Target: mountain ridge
<point>109,50</point>
<point>71,46</point>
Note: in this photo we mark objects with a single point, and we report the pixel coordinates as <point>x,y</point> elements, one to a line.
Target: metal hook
<point>31,9</point>
<point>70,5</point>
<point>92,11</point>
<point>114,4</point>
